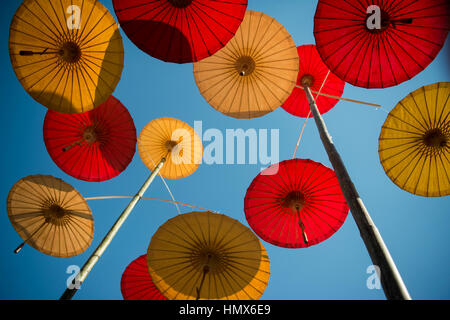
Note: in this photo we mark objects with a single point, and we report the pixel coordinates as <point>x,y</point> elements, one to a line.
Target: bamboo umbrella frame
<point>390,278</point>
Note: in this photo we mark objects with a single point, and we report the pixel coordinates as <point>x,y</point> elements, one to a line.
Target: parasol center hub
<point>210,261</point>
<point>170,145</point>
<point>54,213</point>
<point>295,200</point>
<point>90,135</point>
<point>307,80</point>
<point>245,65</point>
<point>435,138</point>
<point>70,52</point>
<point>180,3</point>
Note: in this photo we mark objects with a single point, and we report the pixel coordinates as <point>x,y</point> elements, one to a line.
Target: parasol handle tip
<point>19,248</point>
<point>305,238</point>
<point>198,293</point>
<point>26,53</point>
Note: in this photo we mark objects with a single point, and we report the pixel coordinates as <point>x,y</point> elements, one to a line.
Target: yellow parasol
<point>203,255</point>
<point>50,215</point>
<point>173,140</point>
<point>414,144</point>
<point>67,54</point>
<point>254,73</point>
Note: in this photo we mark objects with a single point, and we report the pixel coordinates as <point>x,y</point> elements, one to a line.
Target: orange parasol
<point>254,73</point>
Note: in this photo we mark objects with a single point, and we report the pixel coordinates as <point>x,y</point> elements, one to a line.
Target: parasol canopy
<point>50,215</point>
<point>203,255</point>
<point>372,52</point>
<point>296,203</point>
<point>254,73</point>
<point>180,31</point>
<point>93,146</point>
<point>414,143</point>
<point>315,74</point>
<point>136,283</point>
<point>68,54</point>
<point>174,140</point>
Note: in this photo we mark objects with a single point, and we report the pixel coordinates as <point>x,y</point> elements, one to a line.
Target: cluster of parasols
<point>246,65</point>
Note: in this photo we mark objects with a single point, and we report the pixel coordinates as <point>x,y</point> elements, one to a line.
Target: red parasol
<point>136,283</point>
<point>313,71</point>
<point>180,31</point>
<point>377,53</point>
<point>295,203</point>
<point>94,146</point>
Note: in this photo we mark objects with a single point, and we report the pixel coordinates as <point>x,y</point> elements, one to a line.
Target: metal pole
<point>391,280</point>
<point>79,279</point>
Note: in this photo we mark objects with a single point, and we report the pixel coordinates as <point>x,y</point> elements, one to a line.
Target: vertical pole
<point>79,279</point>
<point>391,280</point>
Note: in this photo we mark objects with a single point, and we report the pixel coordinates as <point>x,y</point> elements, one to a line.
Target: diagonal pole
<point>391,280</point>
<point>81,276</point>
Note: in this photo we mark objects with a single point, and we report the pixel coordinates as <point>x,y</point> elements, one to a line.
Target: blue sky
<point>414,228</point>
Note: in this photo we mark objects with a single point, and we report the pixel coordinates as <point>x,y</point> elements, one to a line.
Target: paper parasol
<point>180,31</point>
<point>202,255</point>
<point>50,215</point>
<point>174,140</point>
<point>383,43</point>
<point>414,144</point>
<point>296,203</point>
<point>68,54</point>
<point>94,146</point>
<point>254,73</point>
